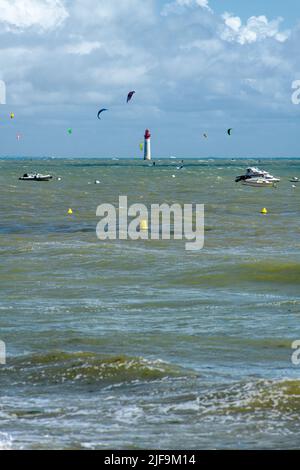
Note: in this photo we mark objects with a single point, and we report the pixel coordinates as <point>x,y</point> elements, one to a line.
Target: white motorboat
<point>259,183</point>
<point>35,177</point>
<point>257,176</point>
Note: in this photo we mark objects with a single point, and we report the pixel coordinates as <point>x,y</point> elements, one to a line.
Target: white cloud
<point>233,22</point>
<point>44,15</point>
<point>104,12</point>
<point>200,3</point>
<point>256,29</point>
<point>207,46</point>
<point>178,6</point>
<point>83,48</point>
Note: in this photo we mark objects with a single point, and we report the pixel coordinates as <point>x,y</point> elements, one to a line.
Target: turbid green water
<point>123,344</point>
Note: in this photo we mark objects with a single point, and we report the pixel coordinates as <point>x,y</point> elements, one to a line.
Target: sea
<point>123,344</point>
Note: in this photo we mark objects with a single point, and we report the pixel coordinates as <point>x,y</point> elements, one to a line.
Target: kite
<point>101,111</point>
<point>70,131</point>
<point>130,95</point>
<point>229,131</point>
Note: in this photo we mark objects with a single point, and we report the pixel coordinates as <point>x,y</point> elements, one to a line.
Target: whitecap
<point>5,441</point>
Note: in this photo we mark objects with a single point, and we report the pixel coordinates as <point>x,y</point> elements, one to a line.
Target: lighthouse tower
<point>147,145</point>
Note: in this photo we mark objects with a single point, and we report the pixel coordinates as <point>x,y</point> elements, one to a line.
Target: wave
<point>275,397</point>
<point>15,229</point>
<point>81,367</point>
<point>5,441</point>
<point>273,403</point>
<point>267,271</point>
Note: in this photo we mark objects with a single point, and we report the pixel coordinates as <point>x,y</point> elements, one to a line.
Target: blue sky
<point>289,9</point>
<point>198,66</point>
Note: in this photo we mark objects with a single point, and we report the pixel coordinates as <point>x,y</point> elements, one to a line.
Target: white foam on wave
<point>129,414</point>
<point>5,441</point>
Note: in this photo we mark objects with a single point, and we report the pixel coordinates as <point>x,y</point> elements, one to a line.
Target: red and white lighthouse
<point>147,145</point>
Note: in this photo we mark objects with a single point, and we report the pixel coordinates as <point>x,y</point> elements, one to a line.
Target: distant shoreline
<point>136,159</point>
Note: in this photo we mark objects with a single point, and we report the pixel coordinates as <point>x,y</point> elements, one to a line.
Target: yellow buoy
<point>144,224</point>
<point>70,212</point>
<point>264,211</point>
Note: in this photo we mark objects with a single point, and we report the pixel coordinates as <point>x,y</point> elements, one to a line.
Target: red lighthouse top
<point>147,134</point>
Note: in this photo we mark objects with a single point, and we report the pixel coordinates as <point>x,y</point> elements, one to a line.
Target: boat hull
<point>35,178</point>
<point>259,184</point>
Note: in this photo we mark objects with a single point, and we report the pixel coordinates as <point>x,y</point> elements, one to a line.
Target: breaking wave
<point>5,441</point>
<point>61,367</point>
